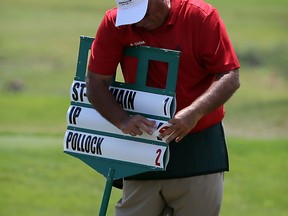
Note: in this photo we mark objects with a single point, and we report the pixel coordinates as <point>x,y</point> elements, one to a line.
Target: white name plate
<point>131,100</point>
<point>89,118</point>
<point>131,151</point>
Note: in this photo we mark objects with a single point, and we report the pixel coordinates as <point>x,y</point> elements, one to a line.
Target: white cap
<point>130,11</point>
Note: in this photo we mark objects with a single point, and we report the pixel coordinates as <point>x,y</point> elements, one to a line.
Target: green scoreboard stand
<point>101,145</point>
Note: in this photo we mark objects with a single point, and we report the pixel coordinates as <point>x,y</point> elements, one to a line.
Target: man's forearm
<point>218,93</point>
<point>103,101</point>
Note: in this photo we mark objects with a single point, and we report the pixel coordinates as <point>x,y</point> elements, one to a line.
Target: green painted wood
<point>113,169</point>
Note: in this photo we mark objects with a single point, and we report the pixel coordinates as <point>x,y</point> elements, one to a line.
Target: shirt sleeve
<point>106,49</point>
<point>217,53</point>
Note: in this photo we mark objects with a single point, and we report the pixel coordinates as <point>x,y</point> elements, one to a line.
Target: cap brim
<point>131,15</point>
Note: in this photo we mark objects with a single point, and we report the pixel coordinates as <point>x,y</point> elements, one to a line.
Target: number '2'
<point>158,152</point>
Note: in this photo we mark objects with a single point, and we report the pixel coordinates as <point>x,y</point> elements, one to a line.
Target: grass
<point>259,108</point>
<point>37,178</point>
<point>254,23</point>
<point>38,53</point>
<point>256,184</point>
<point>33,114</point>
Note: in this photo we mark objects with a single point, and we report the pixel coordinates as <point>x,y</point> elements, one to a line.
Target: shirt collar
<point>174,11</point>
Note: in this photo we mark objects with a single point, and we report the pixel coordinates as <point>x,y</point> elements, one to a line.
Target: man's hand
<point>181,124</point>
<point>136,125</point>
<point>223,87</point>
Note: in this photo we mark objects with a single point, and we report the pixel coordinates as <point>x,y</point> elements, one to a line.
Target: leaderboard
<point>90,134</point>
<point>100,144</point>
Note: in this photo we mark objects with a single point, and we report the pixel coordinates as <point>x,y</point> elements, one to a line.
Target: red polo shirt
<point>193,27</point>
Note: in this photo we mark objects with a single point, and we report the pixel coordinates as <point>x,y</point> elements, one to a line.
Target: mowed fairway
<point>38,179</point>
<point>38,55</point>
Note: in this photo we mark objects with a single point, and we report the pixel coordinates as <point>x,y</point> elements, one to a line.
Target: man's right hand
<point>136,125</point>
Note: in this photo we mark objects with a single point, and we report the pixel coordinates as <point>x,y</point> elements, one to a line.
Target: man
<point>208,76</point>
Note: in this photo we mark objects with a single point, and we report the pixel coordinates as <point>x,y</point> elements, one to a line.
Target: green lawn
<point>38,53</point>
<point>37,178</point>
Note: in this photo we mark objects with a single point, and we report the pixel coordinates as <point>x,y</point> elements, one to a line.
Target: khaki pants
<point>193,196</point>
